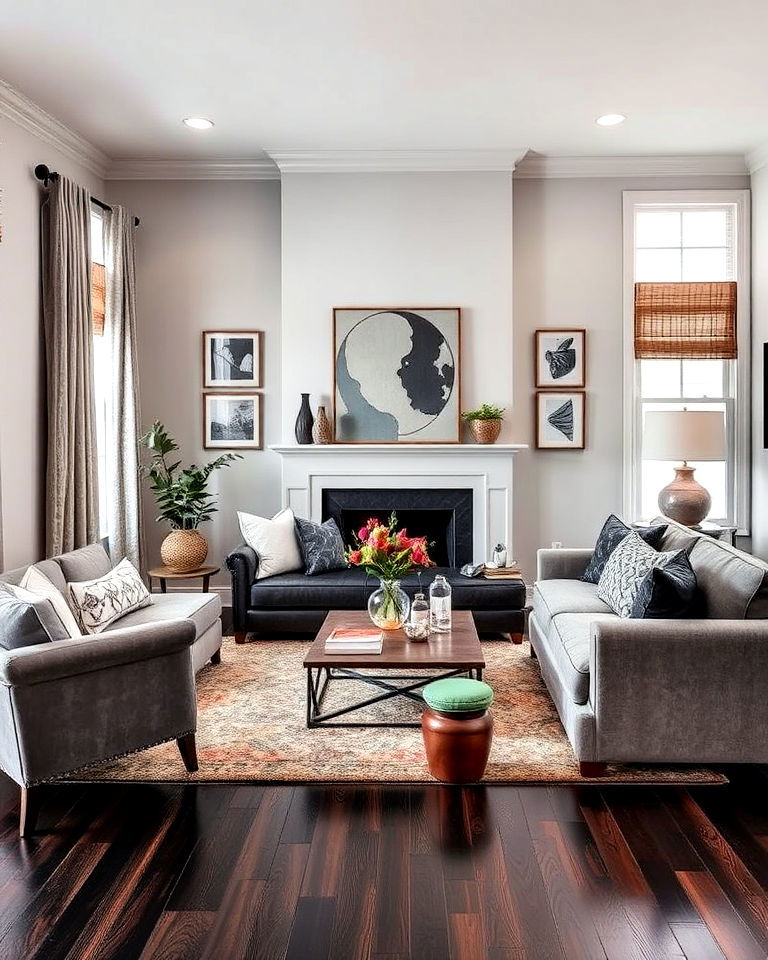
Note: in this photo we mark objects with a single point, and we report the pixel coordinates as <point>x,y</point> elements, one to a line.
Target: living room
<point>421,348</point>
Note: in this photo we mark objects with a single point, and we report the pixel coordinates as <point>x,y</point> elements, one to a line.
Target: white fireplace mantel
<point>486,469</point>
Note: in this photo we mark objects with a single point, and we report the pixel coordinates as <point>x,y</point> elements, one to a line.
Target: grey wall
<point>568,272</point>
<point>759,337</point>
<point>208,258</point>
<point>22,370</point>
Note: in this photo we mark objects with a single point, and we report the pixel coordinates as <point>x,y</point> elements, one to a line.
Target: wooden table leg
<point>163,585</point>
<point>206,582</point>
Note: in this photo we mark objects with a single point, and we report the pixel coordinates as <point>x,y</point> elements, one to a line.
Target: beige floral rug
<point>252,726</point>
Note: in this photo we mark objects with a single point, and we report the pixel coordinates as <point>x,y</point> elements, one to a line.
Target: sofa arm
<point>242,564</point>
<point>68,658</point>
<point>562,564</point>
<point>680,690</point>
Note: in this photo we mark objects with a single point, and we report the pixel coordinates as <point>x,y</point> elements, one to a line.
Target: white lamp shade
<point>684,435</point>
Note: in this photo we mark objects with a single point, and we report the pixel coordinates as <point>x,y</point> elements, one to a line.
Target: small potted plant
<point>485,422</point>
<point>182,498</point>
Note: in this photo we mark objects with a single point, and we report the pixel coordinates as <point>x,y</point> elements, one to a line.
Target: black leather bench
<point>296,603</point>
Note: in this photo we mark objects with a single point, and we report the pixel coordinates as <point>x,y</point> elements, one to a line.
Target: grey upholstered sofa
<point>72,703</point>
<point>657,691</point>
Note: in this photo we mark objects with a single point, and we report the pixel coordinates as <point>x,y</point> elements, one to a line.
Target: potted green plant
<point>485,422</point>
<point>182,498</point>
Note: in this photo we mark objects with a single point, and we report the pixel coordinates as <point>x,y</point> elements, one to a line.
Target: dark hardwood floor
<point>385,872</point>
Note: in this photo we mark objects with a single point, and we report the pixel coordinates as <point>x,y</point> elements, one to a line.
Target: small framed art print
<point>559,359</point>
<point>232,358</point>
<point>560,419</point>
<point>232,421</point>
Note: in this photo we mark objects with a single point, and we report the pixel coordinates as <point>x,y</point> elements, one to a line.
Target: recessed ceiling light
<point>610,119</point>
<point>198,123</point>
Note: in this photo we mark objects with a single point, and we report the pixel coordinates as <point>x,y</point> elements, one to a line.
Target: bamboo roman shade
<point>98,296</point>
<point>685,321</point>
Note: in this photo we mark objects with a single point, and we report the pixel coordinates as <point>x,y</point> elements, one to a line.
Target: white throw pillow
<point>624,571</point>
<point>274,542</point>
<point>101,601</point>
<point>37,583</point>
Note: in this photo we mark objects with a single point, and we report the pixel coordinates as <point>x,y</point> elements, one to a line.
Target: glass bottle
<point>419,608</point>
<point>440,604</point>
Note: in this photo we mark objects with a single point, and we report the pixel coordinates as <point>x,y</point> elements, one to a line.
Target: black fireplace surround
<point>298,603</point>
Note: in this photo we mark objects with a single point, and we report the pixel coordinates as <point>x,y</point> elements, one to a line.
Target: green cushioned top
<point>458,695</point>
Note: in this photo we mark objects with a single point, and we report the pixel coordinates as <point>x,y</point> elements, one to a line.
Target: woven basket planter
<point>184,550</point>
<point>485,431</point>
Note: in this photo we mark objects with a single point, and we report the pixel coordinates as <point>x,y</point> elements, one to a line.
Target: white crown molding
<point>25,113</point>
<point>396,161</point>
<point>192,170</point>
<point>757,158</point>
<point>540,168</point>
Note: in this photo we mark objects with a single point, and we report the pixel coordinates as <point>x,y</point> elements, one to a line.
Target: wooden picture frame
<point>402,383</point>
<point>233,354</point>
<point>560,358</point>
<point>231,422</point>
<point>561,419</point>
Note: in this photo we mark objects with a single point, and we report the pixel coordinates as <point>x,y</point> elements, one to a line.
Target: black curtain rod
<point>44,174</point>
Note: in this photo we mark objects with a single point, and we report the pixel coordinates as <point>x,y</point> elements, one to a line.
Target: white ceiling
<point>691,75</point>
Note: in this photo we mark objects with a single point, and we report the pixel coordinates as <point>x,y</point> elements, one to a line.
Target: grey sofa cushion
<point>676,536</point>
<point>54,573</point>
<point>22,625</point>
<point>734,584</point>
<point>203,609</point>
<point>552,597</point>
<point>87,563</point>
<point>568,640</point>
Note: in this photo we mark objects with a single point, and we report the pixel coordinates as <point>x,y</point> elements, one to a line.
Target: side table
<point>163,574</point>
<point>717,531</point>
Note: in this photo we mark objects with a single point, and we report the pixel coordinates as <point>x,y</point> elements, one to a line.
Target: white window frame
<point>739,443</point>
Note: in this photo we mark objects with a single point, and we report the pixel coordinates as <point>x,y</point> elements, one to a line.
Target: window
<point>101,363</point>
<point>688,236</point>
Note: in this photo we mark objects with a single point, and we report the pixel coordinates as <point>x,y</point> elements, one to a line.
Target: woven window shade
<point>98,296</point>
<point>685,321</point>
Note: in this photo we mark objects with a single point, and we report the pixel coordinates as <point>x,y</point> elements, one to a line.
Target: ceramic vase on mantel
<point>304,421</point>
<point>321,432</point>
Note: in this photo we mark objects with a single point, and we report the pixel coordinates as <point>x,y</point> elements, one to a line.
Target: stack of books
<point>502,573</point>
<point>354,640</point>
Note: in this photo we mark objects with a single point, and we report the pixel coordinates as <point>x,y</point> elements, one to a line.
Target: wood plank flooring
<point>142,872</point>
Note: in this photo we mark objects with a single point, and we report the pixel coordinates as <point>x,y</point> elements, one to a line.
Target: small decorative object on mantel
<point>559,359</point>
<point>485,422</point>
<point>182,498</point>
<point>500,555</point>
<point>304,421</point>
<point>321,432</point>
<point>560,418</point>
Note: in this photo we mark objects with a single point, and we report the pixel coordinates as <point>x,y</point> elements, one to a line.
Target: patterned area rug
<point>252,726</point>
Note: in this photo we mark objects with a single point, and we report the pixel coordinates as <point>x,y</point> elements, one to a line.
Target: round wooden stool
<point>457,727</point>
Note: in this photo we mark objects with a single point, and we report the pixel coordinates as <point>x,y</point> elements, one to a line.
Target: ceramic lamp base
<point>685,500</point>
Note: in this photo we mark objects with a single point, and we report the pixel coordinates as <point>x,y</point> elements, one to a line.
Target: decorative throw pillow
<point>667,592</point>
<point>22,625</point>
<point>101,601</point>
<point>35,582</point>
<point>627,565</point>
<point>49,615</point>
<point>273,541</point>
<point>321,545</point>
<point>613,532</point>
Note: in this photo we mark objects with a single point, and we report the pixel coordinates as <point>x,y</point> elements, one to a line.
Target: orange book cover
<point>355,633</point>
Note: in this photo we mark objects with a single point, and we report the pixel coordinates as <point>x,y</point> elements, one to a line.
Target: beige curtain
<point>123,500</point>
<point>71,475</point>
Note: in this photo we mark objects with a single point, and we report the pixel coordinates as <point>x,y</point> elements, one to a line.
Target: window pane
<point>97,238</point>
<point>660,378</point>
<point>703,378</point>
<point>656,265</point>
<point>657,228</point>
<point>705,264</point>
<point>705,228</point>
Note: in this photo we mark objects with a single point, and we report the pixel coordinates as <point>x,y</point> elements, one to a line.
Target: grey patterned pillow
<point>624,572</point>
<point>101,601</point>
<point>321,546</point>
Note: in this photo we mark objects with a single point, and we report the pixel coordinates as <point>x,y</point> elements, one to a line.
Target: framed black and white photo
<point>560,419</point>
<point>559,358</point>
<point>232,421</point>
<point>397,374</point>
<point>232,358</point>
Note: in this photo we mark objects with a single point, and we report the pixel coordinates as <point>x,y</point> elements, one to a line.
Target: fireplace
<point>443,516</point>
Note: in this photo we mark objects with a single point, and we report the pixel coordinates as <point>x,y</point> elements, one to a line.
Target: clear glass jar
<point>388,607</point>
<point>440,604</point>
<point>419,608</point>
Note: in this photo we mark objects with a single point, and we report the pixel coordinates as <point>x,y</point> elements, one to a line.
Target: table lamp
<point>684,435</point>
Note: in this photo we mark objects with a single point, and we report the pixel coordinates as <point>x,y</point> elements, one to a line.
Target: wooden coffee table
<point>452,654</point>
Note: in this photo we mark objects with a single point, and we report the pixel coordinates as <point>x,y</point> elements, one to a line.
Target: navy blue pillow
<point>613,532</point>
<point>668,592</point>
